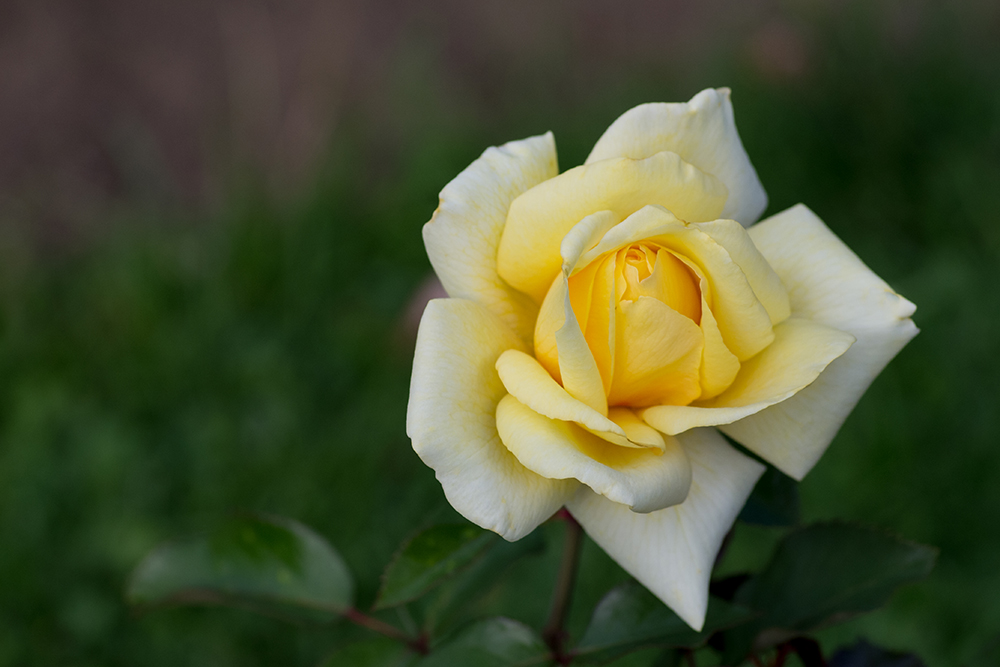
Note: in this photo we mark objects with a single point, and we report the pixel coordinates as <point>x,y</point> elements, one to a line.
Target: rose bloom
<point>604,324</point>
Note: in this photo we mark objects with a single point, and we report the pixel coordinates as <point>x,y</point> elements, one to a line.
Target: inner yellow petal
<point>552,314</point>
<point>636,430</point>
<point>657,356</point>
<point>600,329</point>
<point>673,283</point>
<point>529,254</point>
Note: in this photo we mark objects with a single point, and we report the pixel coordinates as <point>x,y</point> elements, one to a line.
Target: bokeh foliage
<point>257,357</point>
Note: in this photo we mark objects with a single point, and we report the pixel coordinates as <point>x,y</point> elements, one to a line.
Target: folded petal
<point>641,479</point>
<point>637,431</point>
<point>657,355</point>
<point>703,132</point>
<point>464,233</point>
<point>799,353</point>
<point>827,283</point>
<point>602,318</point>
<point>764,282</point>
<point>671,551</point>
<point>719,366</point>
<point>529,255</point>
<point>530,384</point>
<point>577,366</point>
<point>743,320</point>
<point>451,419</point>
<point>584,235</point>
<point>671,281</point>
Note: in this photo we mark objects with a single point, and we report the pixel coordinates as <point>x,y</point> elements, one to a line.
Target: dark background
<point>210,244</point>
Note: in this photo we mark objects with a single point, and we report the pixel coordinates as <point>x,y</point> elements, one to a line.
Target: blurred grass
<point>258,359</point>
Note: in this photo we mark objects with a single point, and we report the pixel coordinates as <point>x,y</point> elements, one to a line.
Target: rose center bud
<point>640,312</point>
<point>647,270</point>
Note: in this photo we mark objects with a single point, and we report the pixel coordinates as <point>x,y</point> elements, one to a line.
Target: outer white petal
<point>451,419</point>
<point>827,283</point>
<point>671,551</point>
<point>464,233</point>
<point>703,132</point>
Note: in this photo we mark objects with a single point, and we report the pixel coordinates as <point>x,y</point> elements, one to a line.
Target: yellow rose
<point>602,319</point>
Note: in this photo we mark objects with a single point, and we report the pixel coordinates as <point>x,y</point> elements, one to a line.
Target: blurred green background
<point>210,248</point>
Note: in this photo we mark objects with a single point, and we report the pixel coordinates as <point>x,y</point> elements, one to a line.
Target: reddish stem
<point>554,633</point>
<point>418,644</point>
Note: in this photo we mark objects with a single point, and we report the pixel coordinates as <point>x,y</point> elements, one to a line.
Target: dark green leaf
<point>375,652</point>
<point>458,594</point>
<point>823,574</point>
<point>863,654</point>
<point>829,570</point>
<point>428,559</point>
<point>630,617</point>
<point>773,502</point>
<point>648,657</point>
<point>493,642</point>
<point>266,563</point>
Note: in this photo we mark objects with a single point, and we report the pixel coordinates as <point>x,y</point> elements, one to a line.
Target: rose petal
<point>719,366</point>
<point>530,384</point>
<point>703,132</point>
<point>671,281</point>
<point>763,280</point>
<point>602,320</point>
<point>643,479</point>
<point>464,233</point>
<point>799,353</point>
<point>657,355</point>
<point>529,255</point>
<point>636,430</point>
<point>577,367</point>
<point>585,235</point>
<point>743,320</point>
<point>671,551</point>
<point>451,419</point>
<point>829,284</point>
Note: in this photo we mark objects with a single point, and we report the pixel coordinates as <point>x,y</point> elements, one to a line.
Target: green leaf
<point>629,617</point>
<point>830,570</point>
<point>428,559</point>
<point>864,654</point>
<point>265,563</point>
<point>456,596</point>
<point>375,652</point>
<point>493,642</point>
<point>824,574</point>
<point>773,502</point>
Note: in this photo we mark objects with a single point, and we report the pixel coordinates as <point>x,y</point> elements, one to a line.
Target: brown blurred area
<point>158,102</point>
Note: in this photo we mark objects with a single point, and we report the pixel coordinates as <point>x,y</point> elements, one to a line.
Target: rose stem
<point>418,644</point>
<point>554,634</point>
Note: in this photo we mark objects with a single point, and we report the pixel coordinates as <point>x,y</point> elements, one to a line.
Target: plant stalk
<point>418,644</point>
<point>554,632</point>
